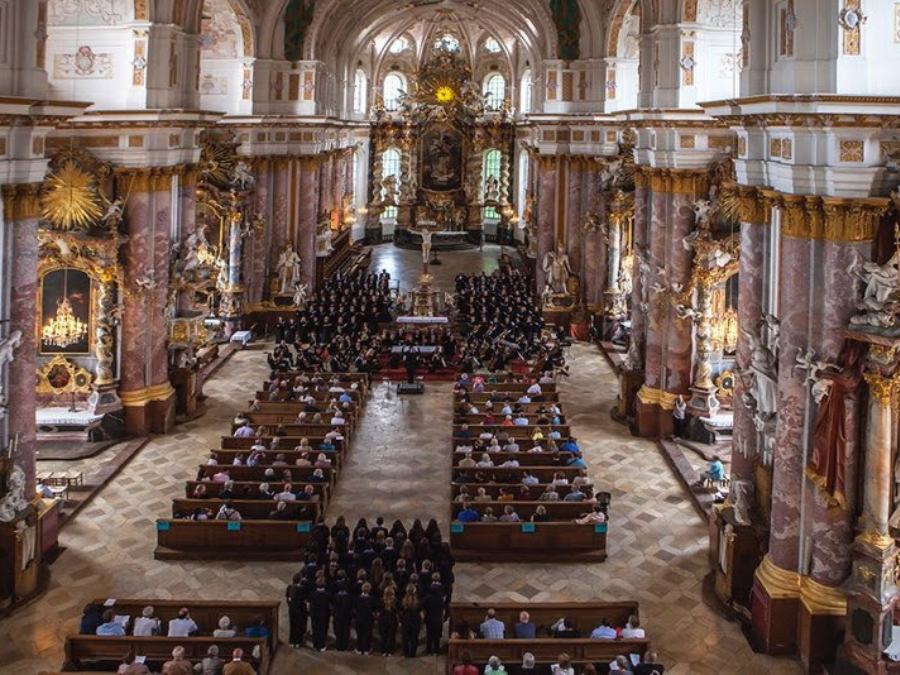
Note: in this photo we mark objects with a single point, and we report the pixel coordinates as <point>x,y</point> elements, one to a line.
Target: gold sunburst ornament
<point>445,94</point>
<point>70,200</point>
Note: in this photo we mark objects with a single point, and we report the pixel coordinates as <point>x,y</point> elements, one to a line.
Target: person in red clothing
<point>466,667</point>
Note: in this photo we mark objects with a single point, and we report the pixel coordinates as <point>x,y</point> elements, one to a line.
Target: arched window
<point>394,89</point>
<point>359,92</point>
<point>492,46</point>
<point>390,166</point>
<point>495,91</point>
<point>491,170</point>
<point>398,46</point>
<point>525,92</point>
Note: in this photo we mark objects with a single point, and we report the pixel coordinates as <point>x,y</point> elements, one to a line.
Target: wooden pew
<point>322,398</point>
<point>108,651</point>
<point>512,431</point>
<point>254,540</point>
<point>532,417</point>
<point>525,459</point>
<point>290,407</point>
<point>528,542</point>
<point>257,473</point>
<point>252,509</point>
<point>493,489</point>
<point>585,616</point>
<point>290,455</point>
<point>302,430</point>
<point>564,512</point>
<point>480,399</point>
<point>513,387</point>
<point>544,650</point>
<point>497,407</point>
<point>205,614</point>
<point>287,442</point>
<point>287,419</point>
<point>252,487</point>
<point>543,474</point>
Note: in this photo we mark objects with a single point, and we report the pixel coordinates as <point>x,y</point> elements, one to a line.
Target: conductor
<point>411,361</point>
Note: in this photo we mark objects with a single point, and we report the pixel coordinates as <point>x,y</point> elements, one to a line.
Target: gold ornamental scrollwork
<point>652,396</point>
<point>61,376</point>
<point>881,388</point>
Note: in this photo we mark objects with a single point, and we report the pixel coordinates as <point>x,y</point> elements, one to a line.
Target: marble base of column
<point>104,399</point>
<point>818,636</point>
<point>149,411</point>
<point>774,604</point>
<point>704,401</point>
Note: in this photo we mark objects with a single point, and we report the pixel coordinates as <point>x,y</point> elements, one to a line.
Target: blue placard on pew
<point>528,528</point>
<point>162,525</point>
<point>302,527</point>
<point>234,526</point>
<point>599,528</point>
<point>457,528</point>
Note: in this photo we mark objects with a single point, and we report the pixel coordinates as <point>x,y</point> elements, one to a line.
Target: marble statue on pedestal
<point>426,245</point>
<point>558,269</point>
<point>879,305</point>
<point>14,500</point>
<point>301,295</point>
<point>820,386</point>
<point>288,270</point>
<point>492,190</point>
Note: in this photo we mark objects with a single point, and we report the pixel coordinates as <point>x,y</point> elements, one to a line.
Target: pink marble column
<point>679,343</point>
<point>575,210</point>
<point>640,232</point>
<point>594,250</point>
<point>22,242</point>
<point>149,402</point>
<point>309,199</point>
<point>546,215</point>
<point>833,530</point>
<point>255,274</point>
<point>657,315</point>
<point>750,309</point>
<point>787,478</point>
<point>281,209</point>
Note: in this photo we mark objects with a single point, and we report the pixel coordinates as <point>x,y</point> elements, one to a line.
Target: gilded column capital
<point>751,206</point>
<point>853,220</point>
<point>21,201</point>
<point>690,182</point>
<point>881,388</point>
<point>641,178</point>
<point>660,180</point>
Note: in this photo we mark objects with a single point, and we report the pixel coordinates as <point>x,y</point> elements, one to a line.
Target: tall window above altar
<point>390,166</point>
<point>495,91</point>
<point>394,89</point>
<point>491,171</point>
<point>359,92</point>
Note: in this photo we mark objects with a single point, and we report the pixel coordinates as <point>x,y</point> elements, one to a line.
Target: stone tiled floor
<point>399,467</point>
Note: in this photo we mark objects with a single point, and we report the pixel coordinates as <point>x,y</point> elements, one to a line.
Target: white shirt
<point>337,420</point>
<point>144,627</point>
<point>286,497</point>
<point>534,389</point>
<point>634,633</point>
<point>181,627</point>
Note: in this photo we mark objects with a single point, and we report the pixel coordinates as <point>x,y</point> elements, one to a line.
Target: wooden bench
<point>304,430</point>
<point>286,443</point>
<point>252,488</point>
<point>205,614</point>
<point>478,419</point>
<point>525,459</point>
<point>254,540</point>
<point>513,431</point>
<point>252,509</point>
<point>245,474</point>
<point>287,419</point>
<point>292,407</point>
<point>322,398</point>
<point>556,511</point>
<point>512,387</point>
<point>585,616</point>
<point>480,399</point>
<point>528,542</point>
<point>290,455</point>
<point>543,473</point>
<point>545,651</point>
<point>498,406</point>
<point>494,489</point>
<point>109,651</point>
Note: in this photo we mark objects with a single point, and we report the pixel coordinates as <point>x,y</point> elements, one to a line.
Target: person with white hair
<point>211,664</point>
<point>183,625</point>
<point>494,666</point>
<point>224,630</point>
<point>146,625</point>
<point>178,665</point>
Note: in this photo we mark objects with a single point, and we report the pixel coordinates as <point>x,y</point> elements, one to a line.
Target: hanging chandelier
<point>65,328</point>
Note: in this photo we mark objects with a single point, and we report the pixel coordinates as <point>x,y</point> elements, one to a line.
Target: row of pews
<point>547,645</point>
<point>90,653</point>
<point>274,428</point>
<point>553,534</point>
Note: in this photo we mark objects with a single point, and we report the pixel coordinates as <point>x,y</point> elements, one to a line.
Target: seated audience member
<point>488,516</point>
<point>129,667</point>
<point>564,628</point>
<point>595,516</point>
<point>210,664</point>
<point>481,495</point>
<point>540,514</point>
<point>549,494</point>
<point>110,627</point>
<point>621,664</point>
<point>529,664</point>
<point>649,665</point>
<point>529,479</point>
<point>280,512</point>
<point>257,629</point>
<point>563,666</point>
<point>91,618</point>
<point>225,629</point>
<point>633,630</point>
<point>244,431</point>
<point>238,666</point>
<point>228,512</point>
<point>510,515</point>
<point>604,631</point>
<point>146,624</point>
<point>467,515</point>
<point>575,495</point>
<point>466,667</point>
<point>178,665</point>
<point>492,628</point>
<point>183,625</point>
<point>286,494</point>
<point>524,628</point>
<point>715,472</point>
<point>494,666</point>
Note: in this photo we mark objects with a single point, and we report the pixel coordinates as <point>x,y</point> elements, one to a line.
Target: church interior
<point>449,336</point>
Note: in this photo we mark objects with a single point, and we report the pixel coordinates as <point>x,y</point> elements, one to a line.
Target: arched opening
<point>393,91</point>
<point>494,91</point>
<point>226,72</point>
<point>360,83</point>
<point>490,174</point>
<point>526,92</point>
<point>390,166</point>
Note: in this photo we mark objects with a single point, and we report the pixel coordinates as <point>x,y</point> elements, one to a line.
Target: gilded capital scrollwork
<point>881,388</point>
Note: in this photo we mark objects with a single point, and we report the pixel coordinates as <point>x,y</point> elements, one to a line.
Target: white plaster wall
<point>114,45</point>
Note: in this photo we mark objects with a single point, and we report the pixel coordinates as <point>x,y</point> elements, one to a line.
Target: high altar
<point>443,131</point>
